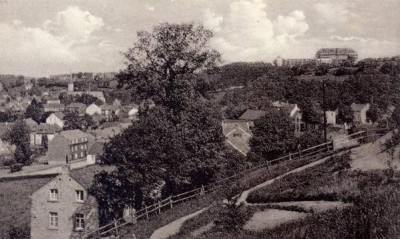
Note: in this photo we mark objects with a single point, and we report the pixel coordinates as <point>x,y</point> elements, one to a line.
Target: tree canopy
<point>273,136</point>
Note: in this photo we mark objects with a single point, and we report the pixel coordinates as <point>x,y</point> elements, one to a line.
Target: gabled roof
<point>31,123</point>
<point>47,128</point>
<point>251,115</point>
<point>73,134</point>
<point>85,176</point>
<point>358,107</point>
<point>59,115</point>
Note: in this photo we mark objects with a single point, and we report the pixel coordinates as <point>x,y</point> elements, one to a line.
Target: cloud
<point>332,12</point>
<point>74,24</point>
<point>212,21</point>
<point>247,33</point>
<point>67,41</point>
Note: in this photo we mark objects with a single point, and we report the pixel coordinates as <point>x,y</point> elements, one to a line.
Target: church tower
<point>71,83</point>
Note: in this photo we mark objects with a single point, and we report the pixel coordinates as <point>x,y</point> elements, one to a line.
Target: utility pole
<point>324,108</point>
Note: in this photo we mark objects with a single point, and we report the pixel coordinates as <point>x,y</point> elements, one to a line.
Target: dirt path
<point>370,156</point>
<point>245,194</point>
<point>173,227</point>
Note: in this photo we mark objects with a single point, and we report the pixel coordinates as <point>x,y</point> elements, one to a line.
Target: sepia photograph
<point>227,119</point>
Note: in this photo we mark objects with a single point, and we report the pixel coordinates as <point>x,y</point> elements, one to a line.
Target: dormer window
<point>53,194</point>
<point>79,195</point>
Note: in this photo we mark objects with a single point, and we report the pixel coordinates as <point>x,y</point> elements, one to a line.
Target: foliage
<point>19,134</point>
<point>45,142</point>
<point>7,116</point>
<point>159,59</point>
<point>346,114</point>
<point>21,232</point>
<point>273,136</point>
<point>373,113</point>
<point>311,112</point>
<point>232,218</point>
<point>75,121</point>
<point>16,167</point>
<point>35,111</point>
<point>310,138</point>
<point>88,99</point>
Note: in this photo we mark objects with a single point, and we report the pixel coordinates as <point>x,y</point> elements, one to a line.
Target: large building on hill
<point>331,55</point>
<point>323,55</point>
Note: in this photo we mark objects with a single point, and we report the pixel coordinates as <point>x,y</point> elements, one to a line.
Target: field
<point>375,213</point>
<point>15,202</point>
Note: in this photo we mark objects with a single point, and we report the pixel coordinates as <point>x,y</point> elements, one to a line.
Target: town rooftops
<point>76,105</point>
<point>359,107</point>
<point>73,134</point>
<point>31,123</point>
<point>46,128</point>
<point>251,115</point>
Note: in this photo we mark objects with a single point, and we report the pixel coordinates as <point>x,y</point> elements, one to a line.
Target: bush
<point>16,167</point>
<point>19,232</point>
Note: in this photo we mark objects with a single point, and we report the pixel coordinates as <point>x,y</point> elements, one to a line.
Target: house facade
<point>77,108</point>
<point>67,147</point>
<point>93,109</point>
<point>360,113</point>
<point>53,107</point>
<point>63,209</point>
<point>56,119</point>
<point>41,131</point>
<point>331,116</point>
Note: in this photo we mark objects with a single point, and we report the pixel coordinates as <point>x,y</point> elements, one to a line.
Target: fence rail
<point>169,202</point>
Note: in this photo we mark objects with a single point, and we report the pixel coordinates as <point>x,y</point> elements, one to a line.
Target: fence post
<point>170,202</point>
<point>290,156</point>
<point>115,226</point>
<point>159,207</point>
<point>147,214</point>
<point>202,191</point>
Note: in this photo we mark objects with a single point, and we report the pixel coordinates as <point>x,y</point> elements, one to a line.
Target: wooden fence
<point>168,203</point>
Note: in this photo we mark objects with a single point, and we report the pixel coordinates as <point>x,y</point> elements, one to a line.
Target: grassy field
<point>144,229</point>
<point>375,213</point>
<point>15,202</point>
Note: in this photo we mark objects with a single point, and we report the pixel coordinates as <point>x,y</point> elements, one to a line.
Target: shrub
<point>16,167</point>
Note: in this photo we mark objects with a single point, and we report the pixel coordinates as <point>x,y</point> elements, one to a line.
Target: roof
<point>76,105</point>
<point>251,115</point>
<point>31,123</point>
<point>110,124</point>
<point>85,176</point>
<point>336,51</point>
<point>358,107</point>
<point>96,149</point>
<point>59,115</point>
<point>47,128</point>
<point>53,105</point>
<point>73,134</point>
<point>108,107</point>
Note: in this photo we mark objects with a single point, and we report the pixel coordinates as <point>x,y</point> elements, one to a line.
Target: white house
<point>93,109</point>
<point>331,117</point>
<point>56,119</point>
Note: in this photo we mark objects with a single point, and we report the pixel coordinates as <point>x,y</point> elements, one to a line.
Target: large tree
<point>179,142</point>
<point>35,111</point>
<point>19,135</point>
<point>273,136</point>
<point>160,59</point>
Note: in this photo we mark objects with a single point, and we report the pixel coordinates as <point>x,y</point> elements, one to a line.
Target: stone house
<point>62,208</point>
<point>67,147</point>
<point>360,113</point>
<point>56,119</point>
<point>43,130</point>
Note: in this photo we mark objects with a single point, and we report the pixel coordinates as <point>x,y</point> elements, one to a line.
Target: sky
<point>44,37</point>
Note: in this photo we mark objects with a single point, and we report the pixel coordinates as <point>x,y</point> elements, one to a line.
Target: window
<point>76,156</point>
<point>79,195</point>
<point>82,155</point>
<point>54,194</point>
<point>82,146</point>
<point>53,219</point>
<point>79,221</point>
